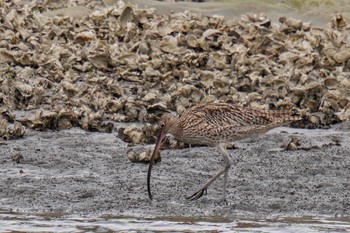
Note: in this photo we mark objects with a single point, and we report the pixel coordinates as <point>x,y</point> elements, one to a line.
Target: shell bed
<point>124,64</point>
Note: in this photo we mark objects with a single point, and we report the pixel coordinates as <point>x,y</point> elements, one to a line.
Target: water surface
<point>21,222</point>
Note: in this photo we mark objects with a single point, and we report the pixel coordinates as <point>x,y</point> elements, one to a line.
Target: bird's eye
<point>162,125</point>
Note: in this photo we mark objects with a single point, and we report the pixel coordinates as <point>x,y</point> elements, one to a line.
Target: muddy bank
<point>76,171</point>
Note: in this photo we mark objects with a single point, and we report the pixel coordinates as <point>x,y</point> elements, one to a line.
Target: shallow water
<point>24,222</point>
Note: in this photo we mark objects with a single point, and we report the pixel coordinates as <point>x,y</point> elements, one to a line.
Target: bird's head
<point>167,123</point>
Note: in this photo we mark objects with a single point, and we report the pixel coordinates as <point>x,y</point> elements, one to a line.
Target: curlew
<point>216,124</point>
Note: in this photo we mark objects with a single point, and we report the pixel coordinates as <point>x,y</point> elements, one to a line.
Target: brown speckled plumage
<point>216,124</point>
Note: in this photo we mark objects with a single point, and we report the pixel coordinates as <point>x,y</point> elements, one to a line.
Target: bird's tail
<point>286,116</point>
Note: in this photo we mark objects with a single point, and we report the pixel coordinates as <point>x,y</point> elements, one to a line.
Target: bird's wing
<point>219,123</point>
<point>219,114</point>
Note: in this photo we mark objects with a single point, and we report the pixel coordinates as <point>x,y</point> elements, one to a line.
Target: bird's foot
<point>198,194</point>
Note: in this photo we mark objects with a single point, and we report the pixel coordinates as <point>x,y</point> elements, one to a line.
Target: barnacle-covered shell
<point>7,114</point>
<point>43,119</point>
<point>24,89</point>
<point>344,115</point>
<point>142,154</point>
<point>331,83</point>
<point>293,144</point>
<point>169,45</point>
<point>11,131</point>
<point>4,128</point>
<point>17,131</point>
<point>338,21</point>
<point>345,88</point>
<point>133,134</point>
<point>126,16</point>
<point>85,36</point>
<point>336,55</point>
<point>290,25</point>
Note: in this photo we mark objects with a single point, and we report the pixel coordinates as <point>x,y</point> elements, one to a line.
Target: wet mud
<point>74,171</point>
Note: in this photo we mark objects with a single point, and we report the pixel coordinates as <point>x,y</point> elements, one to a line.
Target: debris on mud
<point>17,158</point>
<point>293,144</point>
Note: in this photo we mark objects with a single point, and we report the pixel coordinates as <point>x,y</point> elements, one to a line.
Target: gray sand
<point>76,171</point>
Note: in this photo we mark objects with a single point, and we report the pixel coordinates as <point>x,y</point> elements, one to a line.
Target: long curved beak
<point>159,142</point>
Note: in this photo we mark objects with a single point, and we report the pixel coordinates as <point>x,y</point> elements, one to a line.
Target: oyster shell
<point>133,134</point>
<point>293,144</point>
<point>142,154</point>
<point>11,131</point>
<point>331,83</point>
<point>126,16</point>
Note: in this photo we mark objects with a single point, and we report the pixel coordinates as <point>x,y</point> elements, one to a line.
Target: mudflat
<point>74,171</point>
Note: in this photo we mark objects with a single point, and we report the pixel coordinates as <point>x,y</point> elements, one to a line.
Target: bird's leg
<point>228,165</point>
<point>203,189</point>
